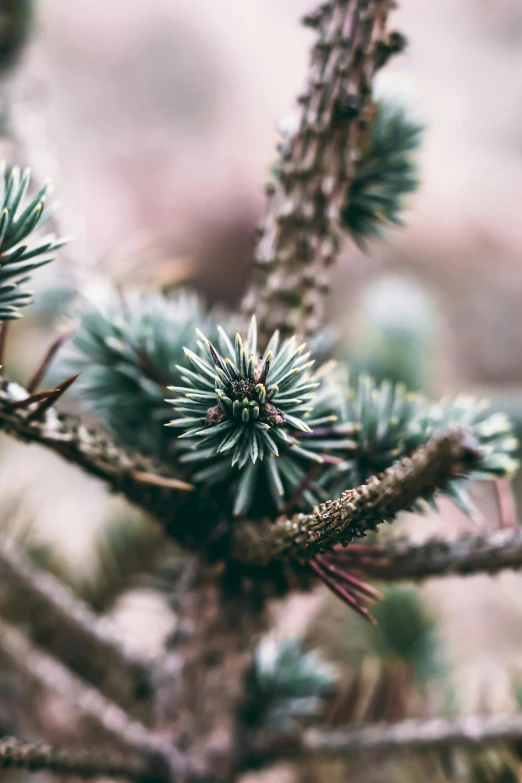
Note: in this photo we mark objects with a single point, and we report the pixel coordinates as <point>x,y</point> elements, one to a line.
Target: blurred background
<point>157,122</point>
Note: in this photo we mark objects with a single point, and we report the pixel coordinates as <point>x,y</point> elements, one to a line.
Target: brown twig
<point>98,712</point>
<point>386,739</point>
<point>299,237</point>
<point>359,510</point>
<point>39,756</point>
<point>64,625</point>
<point>152,485</point>
<point>401,559</point>
<point>411,735</point>
<point>44,365</point>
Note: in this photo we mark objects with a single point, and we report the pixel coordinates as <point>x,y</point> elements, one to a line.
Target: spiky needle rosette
<point>18,256</point>
<point>389,423</point>
<point>240,409</point>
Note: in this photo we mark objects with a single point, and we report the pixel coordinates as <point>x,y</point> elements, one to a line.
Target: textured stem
<point>359,510</point>
<point>47,672</point>
<point>203,685</point>
<point>299,237</point>
<point>65,626</point>
<point>36,756</point>
<point>95,710</point>
<point>412,735</point>
<point>139,478</point>
<point>402,559</point>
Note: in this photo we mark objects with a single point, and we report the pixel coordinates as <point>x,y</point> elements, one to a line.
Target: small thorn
<point>3,339</point>
<point>169,482</point>
<point>49,401</point>
<point>47,359</point>
<point>347,594</point>
<point>37,397</point>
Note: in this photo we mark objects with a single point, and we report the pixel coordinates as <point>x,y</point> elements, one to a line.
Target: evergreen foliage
<point>264,433</point>
<point>272,423</point>
<point>386,173</point>
<point>19,257</point>
<point>127,348</point>
<point>289,681</point>
<point>404,630</point>
<point>241,409</point>
<point>388,423</point>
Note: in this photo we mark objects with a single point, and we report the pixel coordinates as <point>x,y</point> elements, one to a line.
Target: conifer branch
<point>46,672</point>
<point>39,756</point>
<point>98,713</point>
<point>299,235</point>
<point>360,510</point>
<point>64,625</point>
<point>28,419</point>
<point>402,559</point>
<point>473,731</point>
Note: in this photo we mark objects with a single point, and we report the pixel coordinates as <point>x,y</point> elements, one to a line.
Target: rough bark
<point>39,756</point>
<point>402,559</point>
<point>359,510</point>
<point>203,680</point>
<point>299,236</point>
<point>64,625</point>
<point>410,736</point>
<point>141,479</point>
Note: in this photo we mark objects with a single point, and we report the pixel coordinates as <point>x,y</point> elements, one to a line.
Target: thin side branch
<point>45,671</point>
<point>63,624</point>
<point>36,757</point>
<point>359,510</point>
<point>402,559</point>
<point>95,710</point>
<point>153,486</point>
<point>411,736</point>
<point>299,237</point>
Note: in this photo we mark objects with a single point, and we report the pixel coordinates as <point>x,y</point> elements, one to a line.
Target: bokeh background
<point>157,121</point>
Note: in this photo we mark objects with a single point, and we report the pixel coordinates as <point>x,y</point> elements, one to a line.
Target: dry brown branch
<point>38,756</point>
<point>473,731</point>
<point>143,481</point>
<point>402,559</point>
<point>359,510</point>
<point>299,237</point>
<point>97,712</point>
<point>64,625</point>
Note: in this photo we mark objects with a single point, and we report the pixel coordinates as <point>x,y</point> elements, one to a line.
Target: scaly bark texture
<point>401,559</point>
<point>98,714</point>
<point>299,237</point>
<point>258,542</point>
<point>60,622</point>
<point>202,688</point>
<point>142,480</point>
<point>359,510</point>
<point>33,756</point>
<point>45,671</point>
<point>473,731</point>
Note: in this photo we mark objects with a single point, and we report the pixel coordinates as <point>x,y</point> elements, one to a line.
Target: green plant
<point>18,256</point>
<point>387,172</point>
<point>271,473</point>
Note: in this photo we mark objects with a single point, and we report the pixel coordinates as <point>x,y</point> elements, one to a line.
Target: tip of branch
<point>168,482</point>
